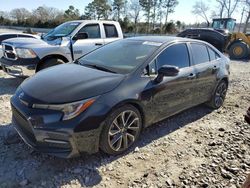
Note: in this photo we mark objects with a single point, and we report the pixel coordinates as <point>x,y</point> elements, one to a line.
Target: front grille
<point>23,124</point>
<point>9,52</point>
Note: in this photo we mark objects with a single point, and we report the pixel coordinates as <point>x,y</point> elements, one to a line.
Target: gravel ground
<point>196,148</point>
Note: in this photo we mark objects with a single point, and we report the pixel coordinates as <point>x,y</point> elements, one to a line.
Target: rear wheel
<point>49,63</point>
<point>219,95</point>
<point>239,50</point>
<point>121,130</point>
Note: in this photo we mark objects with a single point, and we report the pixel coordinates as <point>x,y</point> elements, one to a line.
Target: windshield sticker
<point>152,43</point>
<point>74,23</point>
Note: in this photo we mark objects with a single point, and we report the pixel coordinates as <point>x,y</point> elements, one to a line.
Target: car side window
<point>200,53</point>
<point>93,31</point>
<point>212,54</point>
<point>176,55</point>
<point>110,30</point>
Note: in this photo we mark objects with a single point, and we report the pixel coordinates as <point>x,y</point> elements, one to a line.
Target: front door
<point>94,40</point>
<point>173,94</point>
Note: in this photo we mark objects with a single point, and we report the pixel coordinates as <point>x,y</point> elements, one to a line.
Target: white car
<point>67,42</point>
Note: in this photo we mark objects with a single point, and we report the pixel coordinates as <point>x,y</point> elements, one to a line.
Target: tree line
<point>223,9</point>
<point>138,16</point>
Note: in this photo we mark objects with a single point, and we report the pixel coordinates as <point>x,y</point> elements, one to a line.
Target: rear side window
<point>5,37</point>
<point>110,30</point>
<point>212,54</point>
<point>200,53</point>
<point>93,31</point>
<point>176,55</point>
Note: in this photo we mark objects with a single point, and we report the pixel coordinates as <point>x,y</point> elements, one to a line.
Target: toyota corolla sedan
<point>103,100</point>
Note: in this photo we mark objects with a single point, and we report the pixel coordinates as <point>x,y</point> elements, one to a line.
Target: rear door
<point>204,60</point>
<point>94,40</point>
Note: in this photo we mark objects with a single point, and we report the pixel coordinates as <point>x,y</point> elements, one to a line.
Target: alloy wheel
<point>124,130</point>
<point>220,94</point>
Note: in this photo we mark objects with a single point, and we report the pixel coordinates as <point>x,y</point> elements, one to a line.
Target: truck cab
<point>69,41</point>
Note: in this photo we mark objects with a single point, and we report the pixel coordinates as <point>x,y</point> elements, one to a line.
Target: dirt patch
<point>196,148</point>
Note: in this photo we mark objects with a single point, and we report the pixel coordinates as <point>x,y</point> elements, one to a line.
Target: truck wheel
<point>239,50</point>
<point>49,63</point>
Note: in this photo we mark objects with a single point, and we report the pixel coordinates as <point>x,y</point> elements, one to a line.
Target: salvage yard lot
<point>198,147</point>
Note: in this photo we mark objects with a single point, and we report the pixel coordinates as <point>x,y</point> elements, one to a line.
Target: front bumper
<point>19,67</point>
<point>247,116</point>
<point>64,143</point>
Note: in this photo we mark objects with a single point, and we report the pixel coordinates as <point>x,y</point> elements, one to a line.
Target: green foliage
<point>71,13</point>
<point>118,5</point>
<point>170,28</point>
<point>98,9</point>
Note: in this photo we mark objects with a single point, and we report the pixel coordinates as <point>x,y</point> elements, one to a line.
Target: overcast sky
<point>182,11</point>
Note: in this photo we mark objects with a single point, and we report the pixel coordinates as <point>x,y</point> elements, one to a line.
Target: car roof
<point>93,21</point>
<point>164,39</point>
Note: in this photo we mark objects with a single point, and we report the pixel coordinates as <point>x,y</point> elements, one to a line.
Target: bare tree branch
<point>200,8</point>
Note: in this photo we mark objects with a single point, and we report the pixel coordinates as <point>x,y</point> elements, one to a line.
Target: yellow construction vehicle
<point>223,37</point>
<point>238,43</point>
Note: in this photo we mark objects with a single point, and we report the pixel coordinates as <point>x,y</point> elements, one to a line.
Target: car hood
<point>34,42</point>
<point>24,42</point>
<point>68,83</point>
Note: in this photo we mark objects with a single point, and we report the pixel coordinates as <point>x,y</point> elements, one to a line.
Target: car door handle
<point>98,44</point>
<point>192,76</point>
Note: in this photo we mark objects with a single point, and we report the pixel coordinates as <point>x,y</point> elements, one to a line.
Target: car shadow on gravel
<point>9,85</point>
<point>40,169</point>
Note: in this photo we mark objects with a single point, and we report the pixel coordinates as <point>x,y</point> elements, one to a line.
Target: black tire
<point>49,63</point>
<point>238,50</point>
<point>219,95</point>
<point>112,134</point>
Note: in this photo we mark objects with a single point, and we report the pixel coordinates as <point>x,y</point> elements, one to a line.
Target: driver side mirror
<point>167,70</point>
<point>80,36</point>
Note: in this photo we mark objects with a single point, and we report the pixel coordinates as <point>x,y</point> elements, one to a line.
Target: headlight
<point>70,110</point>
<point>25,53</point>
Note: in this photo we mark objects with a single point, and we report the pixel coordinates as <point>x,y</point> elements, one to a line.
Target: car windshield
<point>122,56</point>
<point>61,30</point>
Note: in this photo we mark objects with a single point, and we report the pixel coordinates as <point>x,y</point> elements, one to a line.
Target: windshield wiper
<point>99,67</point>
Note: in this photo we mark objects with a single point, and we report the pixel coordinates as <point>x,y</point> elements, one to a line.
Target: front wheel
<point>121,130</point>
<point>219,95</point>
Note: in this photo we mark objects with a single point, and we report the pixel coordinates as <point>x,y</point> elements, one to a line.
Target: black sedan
<point>105,99</point>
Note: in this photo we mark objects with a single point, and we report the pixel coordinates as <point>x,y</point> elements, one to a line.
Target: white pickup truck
<point>5,36</point>
<point>24,57</point>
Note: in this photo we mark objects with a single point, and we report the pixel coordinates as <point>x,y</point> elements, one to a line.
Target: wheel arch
<point>57,56</point>
<point>224,78</point>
